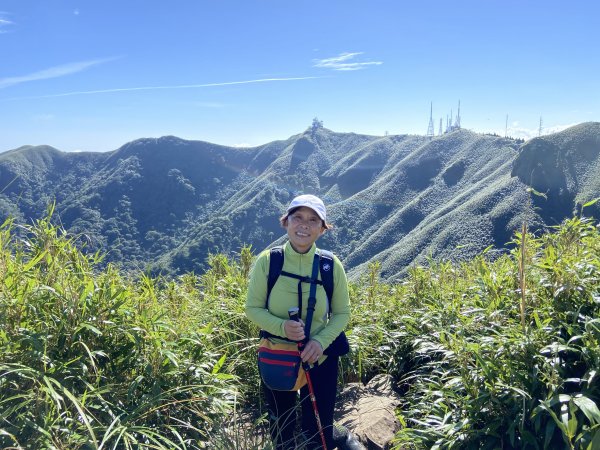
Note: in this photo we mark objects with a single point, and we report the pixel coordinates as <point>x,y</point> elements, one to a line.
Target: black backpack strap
<point>301,280</point>
<point>312,297</point>
<point>275,266</point>
<point>322,262</point>
<point>326,266</point>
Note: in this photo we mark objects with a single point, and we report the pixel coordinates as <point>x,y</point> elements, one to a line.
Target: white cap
<point>312,202</point>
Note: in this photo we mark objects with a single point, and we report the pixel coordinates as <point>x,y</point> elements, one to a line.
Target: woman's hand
<point>312,352</point>
<point>294,330</point>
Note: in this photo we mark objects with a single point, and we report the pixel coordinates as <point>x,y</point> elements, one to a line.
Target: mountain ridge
<point>163,204</point>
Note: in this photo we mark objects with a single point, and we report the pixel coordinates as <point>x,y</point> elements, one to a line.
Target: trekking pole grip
<point>294,314</point>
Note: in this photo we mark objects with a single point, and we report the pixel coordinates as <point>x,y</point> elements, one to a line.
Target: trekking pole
<point>294,315</point>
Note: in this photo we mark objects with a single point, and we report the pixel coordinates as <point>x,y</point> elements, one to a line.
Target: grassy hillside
<point>33,177</point>
<point>564,168</point>
<point>486,354</point>
<point>164,204</point>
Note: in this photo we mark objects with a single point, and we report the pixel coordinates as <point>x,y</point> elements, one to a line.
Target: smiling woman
<point>321,316</point>
<point>305,222</point>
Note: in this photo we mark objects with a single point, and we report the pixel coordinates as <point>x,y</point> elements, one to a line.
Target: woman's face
<point>304,227</point>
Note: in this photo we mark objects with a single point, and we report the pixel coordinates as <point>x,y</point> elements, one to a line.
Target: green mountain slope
<point>165,204</point>
<point>565,166</point>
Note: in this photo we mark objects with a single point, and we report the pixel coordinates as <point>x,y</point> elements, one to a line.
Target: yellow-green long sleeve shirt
<point>284,296</point>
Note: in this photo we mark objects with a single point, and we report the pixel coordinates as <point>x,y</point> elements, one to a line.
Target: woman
<point>305,221</point>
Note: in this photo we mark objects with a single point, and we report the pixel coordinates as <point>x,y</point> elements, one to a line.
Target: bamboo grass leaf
<point>11,436</point>
<point>58,399</point>
<point>83,415</point>
<point>170,356</point>
<point>110,431</point>
<point>89,353</point>
<point>588,407</point>
<point>572,423</point>
<point>591,375</point>
<point>34,261</point>
<point>595,441</point>
<point>564,418</point>
<point>88,326</point>
<point>543,406</point>
<point>549,432</point>
<point>219,364</point>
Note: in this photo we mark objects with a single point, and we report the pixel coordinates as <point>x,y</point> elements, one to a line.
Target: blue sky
<point>92,75</point>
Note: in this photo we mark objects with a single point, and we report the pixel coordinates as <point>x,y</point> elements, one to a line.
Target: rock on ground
<point>368,412</point>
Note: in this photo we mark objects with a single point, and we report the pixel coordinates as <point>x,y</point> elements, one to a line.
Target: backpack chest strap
<point>312,296</point>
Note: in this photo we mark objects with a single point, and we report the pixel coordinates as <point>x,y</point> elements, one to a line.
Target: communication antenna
<point>430,131</point>
<point>540,130</point>
<point>440,128</point>
<point>457,123</point>
<point>506,127</point>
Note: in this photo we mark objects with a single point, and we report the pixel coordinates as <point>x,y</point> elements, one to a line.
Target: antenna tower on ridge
<point>440,128</point>
<point>540,130</point>
<point>430,131</point>
<point>506,127</point>
<point>457,123</point>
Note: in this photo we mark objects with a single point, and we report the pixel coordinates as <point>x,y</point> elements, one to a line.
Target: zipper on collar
<point>302,257</point>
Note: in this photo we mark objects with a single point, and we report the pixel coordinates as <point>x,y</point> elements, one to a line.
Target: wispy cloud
<point>181,86</point>
<point>5,25</point>
<point>344,61</point>
<point>52,72</point>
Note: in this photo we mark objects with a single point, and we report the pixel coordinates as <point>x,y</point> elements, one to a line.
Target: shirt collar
<point>289,250</point>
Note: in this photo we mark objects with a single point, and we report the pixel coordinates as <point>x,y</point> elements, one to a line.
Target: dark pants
<point>283,407</point>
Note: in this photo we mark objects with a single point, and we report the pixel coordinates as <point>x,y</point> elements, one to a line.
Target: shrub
<point>476,378</point>
<point>92,360</point>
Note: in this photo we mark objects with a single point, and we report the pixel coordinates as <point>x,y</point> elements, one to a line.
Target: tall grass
<point>486,354</point>
<point>90,359</point>
<point>475,377</point>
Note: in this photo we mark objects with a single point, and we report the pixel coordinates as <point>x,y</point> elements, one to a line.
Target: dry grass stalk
<point>522,273</point>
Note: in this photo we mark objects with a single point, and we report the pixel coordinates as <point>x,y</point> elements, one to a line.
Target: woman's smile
<point>304,227</point>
